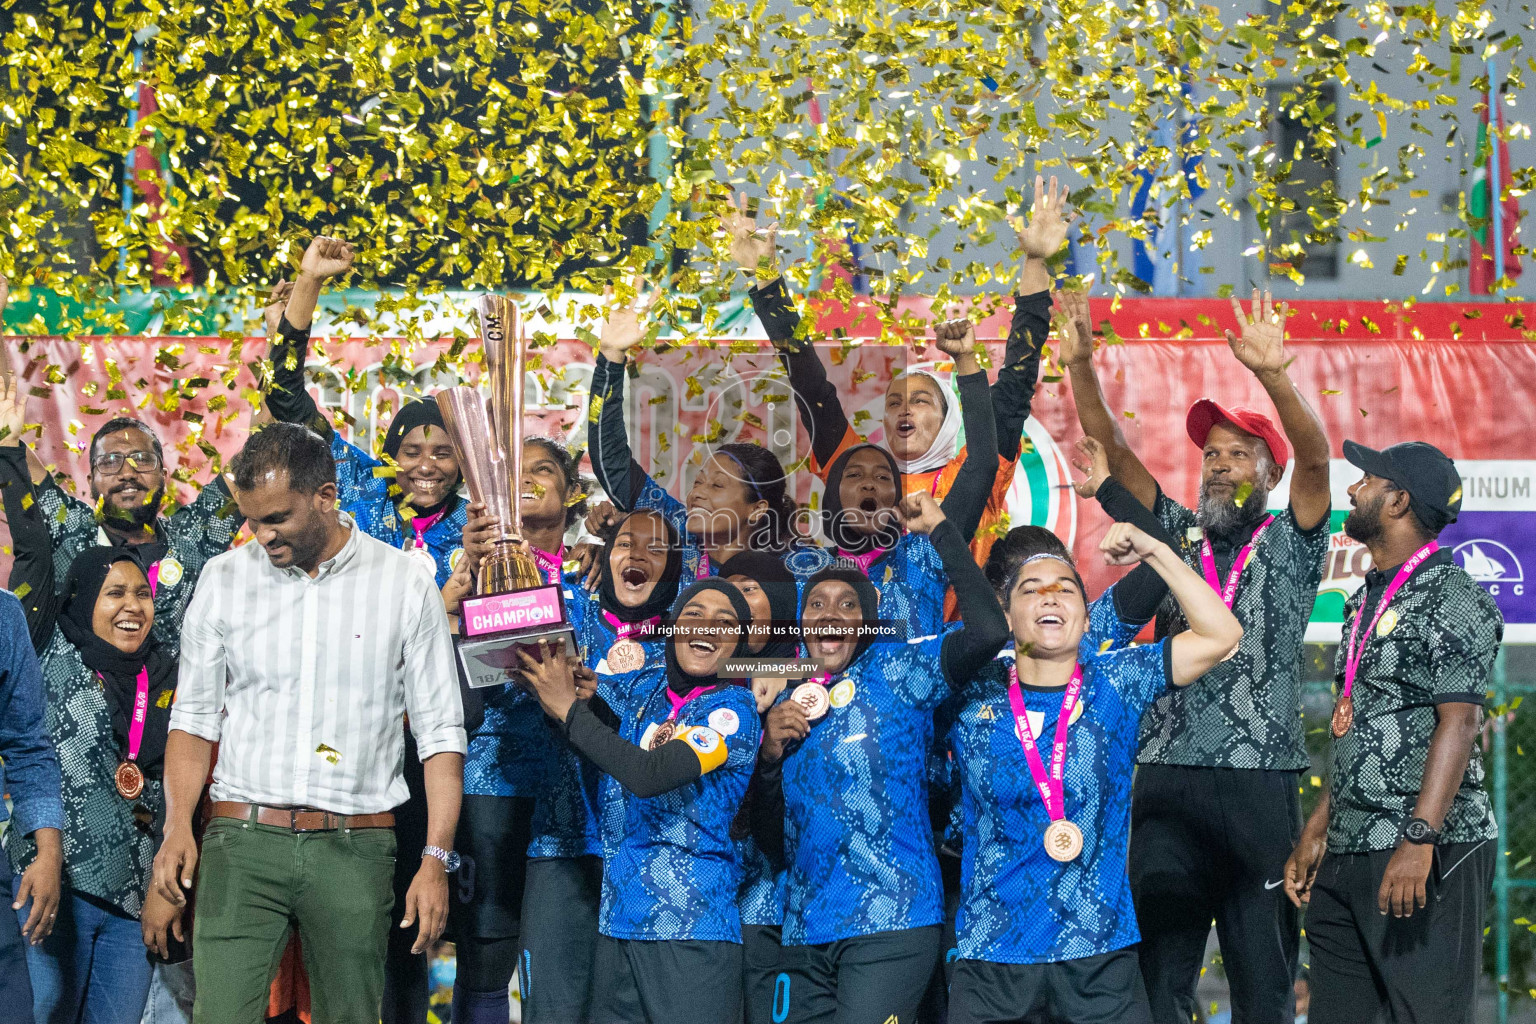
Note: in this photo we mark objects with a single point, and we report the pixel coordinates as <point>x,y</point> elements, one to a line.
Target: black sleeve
<point>288,398</point>
<point>614,465</point>
<point>1014,391</point>
<point>765,809</point>
<point>1141,592</point>
<point>32,570</point>
<point>821,410</point>
<point>984,629</point>
<point>645,773</point>
<point>967,498</point>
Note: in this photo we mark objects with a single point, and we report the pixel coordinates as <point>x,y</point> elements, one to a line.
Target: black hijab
<point>769,572</point>
<point>119,671</point>
<point>678,680</point>
<point>662,594</point>
<point>869,602</point>
<point>832,506</point>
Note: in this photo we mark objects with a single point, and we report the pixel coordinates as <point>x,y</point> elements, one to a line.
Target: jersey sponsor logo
<point>841,694</point>
<point>724,721</point>
<point>171,571</point>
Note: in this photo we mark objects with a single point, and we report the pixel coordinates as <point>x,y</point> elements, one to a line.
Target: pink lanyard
<point>549,563</point>
<point>1353,654</point>
<point>421,524</point>
<point>154,580</point>
<point>702,572</point>
<point>1052,791</point>
<point>625,630</point>
<point>678,702</point>
<point>863,561</point>
<point>1208,564</point>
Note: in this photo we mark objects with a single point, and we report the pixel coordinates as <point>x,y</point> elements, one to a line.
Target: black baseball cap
<point>1424,471</point>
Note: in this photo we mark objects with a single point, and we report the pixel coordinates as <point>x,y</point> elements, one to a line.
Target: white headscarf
<point>946,443</point>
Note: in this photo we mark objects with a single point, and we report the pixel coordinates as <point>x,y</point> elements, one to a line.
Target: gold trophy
<point>514,606</point>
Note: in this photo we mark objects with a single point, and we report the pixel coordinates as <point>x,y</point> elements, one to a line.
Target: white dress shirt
<point>303,681</point>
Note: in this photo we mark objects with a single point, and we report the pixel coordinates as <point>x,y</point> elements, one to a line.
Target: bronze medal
<point>663,733</point>
<point>1343,715</point>
<point>813,698</point>
<point>626,656</point>
<point>129,779</point>
<point>1063,841</point>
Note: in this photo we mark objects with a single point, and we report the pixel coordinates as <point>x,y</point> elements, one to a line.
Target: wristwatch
<point>450,859</point>
<point>1418,831</point>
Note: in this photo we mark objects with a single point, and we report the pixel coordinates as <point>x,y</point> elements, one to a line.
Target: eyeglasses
<point>111,463</point>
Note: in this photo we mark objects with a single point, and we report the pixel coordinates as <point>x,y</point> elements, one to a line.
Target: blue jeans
<point>170,995</point>
<point>93,969</point>
<point>15,986</point>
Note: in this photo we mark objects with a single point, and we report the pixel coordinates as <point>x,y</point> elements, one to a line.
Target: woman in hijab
<point>920,423</point>
<point>679,741</point>
<point>863,904</point>
<point>758,830</point>
<point>108,686</point>
<point>617,637</point>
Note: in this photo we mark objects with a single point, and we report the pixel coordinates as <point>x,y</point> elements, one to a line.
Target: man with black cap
<point>1396,863</point>
<point>1216,802</point>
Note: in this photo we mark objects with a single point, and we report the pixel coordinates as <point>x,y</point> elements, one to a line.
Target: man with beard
<point>1396,862</point>
<point>128,488</point>
<point>1216,803</point>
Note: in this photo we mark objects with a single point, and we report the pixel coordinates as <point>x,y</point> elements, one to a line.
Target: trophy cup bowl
<point>514,607</point>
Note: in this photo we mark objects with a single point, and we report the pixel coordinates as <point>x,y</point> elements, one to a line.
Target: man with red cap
<point>1215,808</point>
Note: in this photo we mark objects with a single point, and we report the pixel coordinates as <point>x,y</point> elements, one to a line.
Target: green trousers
<point>255,882</point>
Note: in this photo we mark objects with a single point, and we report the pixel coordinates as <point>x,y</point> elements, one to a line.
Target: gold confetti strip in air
<point>560,146</point>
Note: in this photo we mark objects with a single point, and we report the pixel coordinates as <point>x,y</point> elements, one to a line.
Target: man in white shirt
<point>299,655</point>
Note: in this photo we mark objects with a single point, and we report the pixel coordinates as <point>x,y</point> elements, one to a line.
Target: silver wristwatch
<point>450,859</point>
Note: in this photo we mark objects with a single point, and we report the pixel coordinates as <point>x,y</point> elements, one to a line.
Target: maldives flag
<point>1480,208</point>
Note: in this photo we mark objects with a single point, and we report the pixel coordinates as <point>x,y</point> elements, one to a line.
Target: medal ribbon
<point>154,579</point>
<point>626,630</point>
<point>1353,654</point>
<point>1052,791</point>
<point>702,572</point>
<point>1208,564</point>
<point>549,564</point>
<point>140,713</point>
<point>863,561</point>
<point>678,702</point>
<point>421,524</point>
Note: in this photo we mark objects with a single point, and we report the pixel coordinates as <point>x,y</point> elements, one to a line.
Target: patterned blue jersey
<point>857,834</point>
<point>760,894</point>
<point>911,580</point>
<point>671,872</point>
<point>565,812</point>
<point>1018,905</point>
<point>803,560</point>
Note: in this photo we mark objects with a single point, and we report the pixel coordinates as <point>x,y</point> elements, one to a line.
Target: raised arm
<point>1260,346</point>
<point>613,462</point>
<point>984,628</point>
<point>755,250</point>
<point>32,570</point>
<point>967,497</point>
<point>1039,239</point>
<point>1213,632</point>
<point>1138,596</point>
<point>288,398</point>
<point>1076,355</point>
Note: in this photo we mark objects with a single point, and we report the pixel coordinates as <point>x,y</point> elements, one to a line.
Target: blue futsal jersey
<point>671,869</point>
<point>1019,906</point>
<point>911,580</point>
<point>566,811</point>
<point>857,833</point>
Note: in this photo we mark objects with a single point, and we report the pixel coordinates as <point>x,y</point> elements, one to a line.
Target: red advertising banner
<point>1461,377</point>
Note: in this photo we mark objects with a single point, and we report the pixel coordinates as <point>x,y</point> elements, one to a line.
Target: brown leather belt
<point>300,819</point>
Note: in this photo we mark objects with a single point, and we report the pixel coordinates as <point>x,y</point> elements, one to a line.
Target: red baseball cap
<point>1205,414</point>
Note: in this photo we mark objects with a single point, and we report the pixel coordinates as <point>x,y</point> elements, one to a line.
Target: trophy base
<point>497,626</point>
<point>492,660</point>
